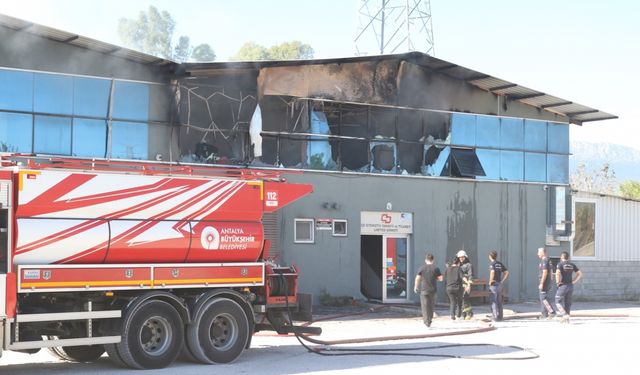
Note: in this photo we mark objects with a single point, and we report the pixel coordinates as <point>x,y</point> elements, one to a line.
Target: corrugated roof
<point>81,41</point>
<point>576,113</point>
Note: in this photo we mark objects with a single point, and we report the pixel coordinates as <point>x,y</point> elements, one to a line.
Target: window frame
<point>333,228</point>
<point>575,226</point>
<point>311,223</point>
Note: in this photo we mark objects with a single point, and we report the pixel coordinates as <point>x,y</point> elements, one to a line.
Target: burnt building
<point>408,154</point>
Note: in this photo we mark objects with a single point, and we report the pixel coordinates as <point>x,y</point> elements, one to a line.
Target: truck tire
<point>219,332</point>
<point>85,353</point>
<point>152,336</point>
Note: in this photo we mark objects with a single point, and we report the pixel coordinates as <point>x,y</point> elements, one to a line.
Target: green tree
<point>251,51</point>
<point>294,50</point>
<point>630,189</point>
<point>152,33</point>
<point>203,52</point>
<point>182,50</point>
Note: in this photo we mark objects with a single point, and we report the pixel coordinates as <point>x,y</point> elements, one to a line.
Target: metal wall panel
<point>617,227</point>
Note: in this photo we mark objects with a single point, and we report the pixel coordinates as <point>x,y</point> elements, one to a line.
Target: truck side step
<point>64,342</point>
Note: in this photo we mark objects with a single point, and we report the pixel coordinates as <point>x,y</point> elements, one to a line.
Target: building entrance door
<point>394,260</point>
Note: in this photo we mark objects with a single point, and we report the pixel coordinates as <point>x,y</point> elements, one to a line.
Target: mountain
<point>623,160</point>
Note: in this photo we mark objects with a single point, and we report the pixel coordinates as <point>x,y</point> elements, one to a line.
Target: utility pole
<point>393,26</point>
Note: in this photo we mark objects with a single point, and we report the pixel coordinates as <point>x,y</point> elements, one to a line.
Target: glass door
<point>394,268</point>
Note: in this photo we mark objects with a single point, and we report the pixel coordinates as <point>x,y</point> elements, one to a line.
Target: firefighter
<point>544,285</point>
<point>565,281</point>
<point>498,274</point>
<point>467,279</point>
<point>425,283</point>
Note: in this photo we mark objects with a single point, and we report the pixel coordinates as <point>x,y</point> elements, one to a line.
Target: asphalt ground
<point>601,337</point>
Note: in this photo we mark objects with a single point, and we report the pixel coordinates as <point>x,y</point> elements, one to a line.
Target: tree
<point>182,50</point>
<point>596,181</point>
<point>203,52</point>
<point>152,33</point>
<point>293,50</point>
<point>630,189</point>
<point>251,51</point>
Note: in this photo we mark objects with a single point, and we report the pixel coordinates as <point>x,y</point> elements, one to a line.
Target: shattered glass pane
<point>318,148</point>
<point>383,156</point>
<point>435,159</point>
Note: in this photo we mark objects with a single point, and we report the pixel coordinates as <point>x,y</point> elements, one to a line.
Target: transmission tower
<point>393,26</point>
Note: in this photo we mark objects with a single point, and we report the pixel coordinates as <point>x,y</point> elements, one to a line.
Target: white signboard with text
<point>386,222</point>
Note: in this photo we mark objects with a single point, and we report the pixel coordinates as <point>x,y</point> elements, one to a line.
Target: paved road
<point>587,345</point>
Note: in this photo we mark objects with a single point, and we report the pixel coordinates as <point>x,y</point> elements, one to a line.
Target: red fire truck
<point>142,260</point>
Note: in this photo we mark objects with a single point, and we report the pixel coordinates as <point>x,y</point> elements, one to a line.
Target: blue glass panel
<point>558,138</point>
<point>16,90</point>
<point>558,168</point>
<point>90,96</point>
<point>535,167</point>
<point>488,131</point>
<point>463,129</point>
<point>52,135</point>
<point>131,101</point>
<point>89,138</point>
<point>535,135</point>
<point>490,160</point>
<point>511,165</point>
<point>129,140</point>
<point>15,132</point>
<point>53,94</point>
<point>511,133</point>
<point>318,148</point>
<point>436,168</point>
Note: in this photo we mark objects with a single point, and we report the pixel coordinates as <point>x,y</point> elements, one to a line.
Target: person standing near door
<point>498,274</point>
<point>425,283</point>
<point>467,279</point>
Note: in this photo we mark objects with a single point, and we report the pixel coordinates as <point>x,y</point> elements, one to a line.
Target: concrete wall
<point>448,215</point>
<point>608,280</point>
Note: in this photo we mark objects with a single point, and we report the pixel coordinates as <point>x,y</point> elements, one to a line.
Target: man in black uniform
<point>467,279</point>
<point>565,281</point>
<point>498,274</point>
<point>425,283</point>
<point>453,285</point>
<point>544,285</point>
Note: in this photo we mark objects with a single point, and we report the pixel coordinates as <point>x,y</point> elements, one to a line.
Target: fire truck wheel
<point>152,336</point>
<point>86,353</point>
<point>219,332</point>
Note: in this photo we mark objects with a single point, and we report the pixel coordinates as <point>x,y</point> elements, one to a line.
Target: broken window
<point>383,157</point>
<point>463,162</point>
<point>214,115</point>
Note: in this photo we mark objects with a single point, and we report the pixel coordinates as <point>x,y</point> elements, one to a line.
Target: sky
<point>585,51</point>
